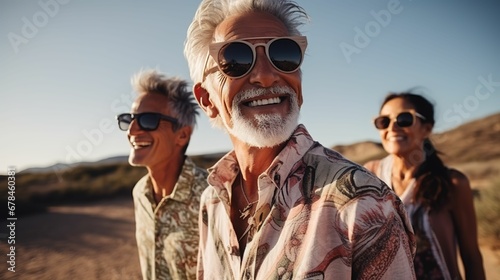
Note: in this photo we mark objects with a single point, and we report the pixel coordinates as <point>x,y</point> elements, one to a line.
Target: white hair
<point>180,100</point>
<point>211,13</point>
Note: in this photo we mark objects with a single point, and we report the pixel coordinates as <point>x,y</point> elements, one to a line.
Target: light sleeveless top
<point>429,261</point>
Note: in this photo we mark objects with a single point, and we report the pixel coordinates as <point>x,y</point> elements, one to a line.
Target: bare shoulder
<point>461,185</point>
<point>372,165</point>
<point>458,179</point>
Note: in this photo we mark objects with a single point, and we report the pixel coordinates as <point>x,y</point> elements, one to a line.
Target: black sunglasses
<point>404,119</point>
<point>236,58</point>
<point>146,121</point>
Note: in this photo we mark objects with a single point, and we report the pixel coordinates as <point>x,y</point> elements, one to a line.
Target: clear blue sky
<point>65,69</point>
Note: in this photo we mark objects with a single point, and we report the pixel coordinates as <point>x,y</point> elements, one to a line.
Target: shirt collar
<point>222,174</point>
<point>182,189</point>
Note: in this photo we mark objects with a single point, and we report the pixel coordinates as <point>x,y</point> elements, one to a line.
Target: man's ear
<point>300,100</point>
<point>183,135</point>
<point>203,98</point>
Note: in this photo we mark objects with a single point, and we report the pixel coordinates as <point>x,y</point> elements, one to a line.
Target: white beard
<point>265,130</point>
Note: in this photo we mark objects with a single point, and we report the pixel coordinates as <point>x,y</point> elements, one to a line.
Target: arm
<point>202,227</point>
<point>382,238</point>
<point>464,217</point>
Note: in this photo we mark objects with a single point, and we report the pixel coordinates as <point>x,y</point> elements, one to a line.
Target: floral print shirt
<point>319,216</point>
<point>167,233</point>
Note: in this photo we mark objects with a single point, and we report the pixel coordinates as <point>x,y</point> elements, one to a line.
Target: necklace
<point>247,210</point>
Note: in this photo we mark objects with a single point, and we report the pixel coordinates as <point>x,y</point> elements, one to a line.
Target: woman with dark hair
<point>438,199</point>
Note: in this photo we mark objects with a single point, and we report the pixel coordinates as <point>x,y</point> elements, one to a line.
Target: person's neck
<point>253,162</point>
<point>164,177</point>
<point>404,167</point>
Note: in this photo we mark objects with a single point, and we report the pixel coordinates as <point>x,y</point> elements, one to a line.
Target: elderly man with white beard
<point>280,205</point>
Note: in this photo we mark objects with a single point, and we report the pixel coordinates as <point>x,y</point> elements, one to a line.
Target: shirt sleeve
<point>381,237</point>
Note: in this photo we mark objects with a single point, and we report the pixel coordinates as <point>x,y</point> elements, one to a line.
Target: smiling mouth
<point>140,145</point>
<point>263,102</point>
<point>396,138</point>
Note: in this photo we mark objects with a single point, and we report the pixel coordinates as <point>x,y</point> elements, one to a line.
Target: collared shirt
<point>319,216</point>
<point>167,233</point>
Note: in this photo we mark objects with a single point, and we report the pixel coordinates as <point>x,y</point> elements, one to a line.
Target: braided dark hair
<point>432,176</point>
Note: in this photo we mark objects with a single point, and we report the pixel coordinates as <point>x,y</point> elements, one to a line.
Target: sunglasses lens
<point>148,121</point>
<point>404,119</point>
<point>124,121</point>
<point>235,59</point>
<point>382,122</point>
<point>285,54</point>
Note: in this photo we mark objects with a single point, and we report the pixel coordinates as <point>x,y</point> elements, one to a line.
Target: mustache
<point>256,92</point>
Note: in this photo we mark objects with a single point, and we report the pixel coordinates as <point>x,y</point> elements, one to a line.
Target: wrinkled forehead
<point>248,25</point>
<point>150,102</point>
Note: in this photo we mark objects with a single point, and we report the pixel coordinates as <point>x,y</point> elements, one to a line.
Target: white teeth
<point>138,145</point>
<point>396,138</point>
<point>261,102</point>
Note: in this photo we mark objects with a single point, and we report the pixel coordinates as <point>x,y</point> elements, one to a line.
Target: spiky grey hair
<point>181,101</point>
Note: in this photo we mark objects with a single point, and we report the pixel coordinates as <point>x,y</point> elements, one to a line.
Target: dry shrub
<point>487,206</point>
<point>36,191</point>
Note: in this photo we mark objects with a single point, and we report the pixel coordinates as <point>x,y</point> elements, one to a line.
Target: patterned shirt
<point>319,216</point>
<point>167,233</point>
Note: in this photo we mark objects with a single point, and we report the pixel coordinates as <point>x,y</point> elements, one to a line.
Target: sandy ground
<point>96,241</point>
<point>87,241</point>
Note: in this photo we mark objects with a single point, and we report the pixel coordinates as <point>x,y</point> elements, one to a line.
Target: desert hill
<point>361,152</point>
<point>475,141</point>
